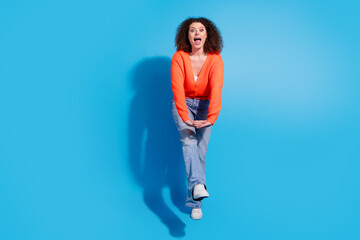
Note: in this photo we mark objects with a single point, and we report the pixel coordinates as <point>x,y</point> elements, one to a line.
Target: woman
<point>197,72</point>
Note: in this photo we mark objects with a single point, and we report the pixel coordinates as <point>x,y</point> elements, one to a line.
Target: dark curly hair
<point>213,42</point>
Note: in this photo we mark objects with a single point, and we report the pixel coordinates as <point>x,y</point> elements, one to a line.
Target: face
<point>197,35</point>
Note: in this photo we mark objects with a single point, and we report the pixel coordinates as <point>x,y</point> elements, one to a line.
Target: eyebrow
<point>195,27</point>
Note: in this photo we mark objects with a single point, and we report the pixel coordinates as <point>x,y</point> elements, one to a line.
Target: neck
<point>197,52</point>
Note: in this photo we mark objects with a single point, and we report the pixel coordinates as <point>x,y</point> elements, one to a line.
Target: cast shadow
<point>155,156</point>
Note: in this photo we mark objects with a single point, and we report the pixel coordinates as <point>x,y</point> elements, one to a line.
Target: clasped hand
<point>198,123</point>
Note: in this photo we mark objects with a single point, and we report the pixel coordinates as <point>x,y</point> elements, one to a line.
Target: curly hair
<point>213,42</point>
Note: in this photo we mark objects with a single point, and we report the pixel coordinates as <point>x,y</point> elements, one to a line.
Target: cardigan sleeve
<point>177,85</point>
<point>216,83</point>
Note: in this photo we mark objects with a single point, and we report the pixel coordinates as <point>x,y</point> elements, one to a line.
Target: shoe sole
<point>200,198</point>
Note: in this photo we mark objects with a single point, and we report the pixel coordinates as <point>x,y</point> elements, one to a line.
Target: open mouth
<point>197,40</point>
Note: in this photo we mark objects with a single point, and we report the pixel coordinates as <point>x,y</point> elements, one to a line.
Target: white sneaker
<point>196,213</point>
<point>200,192</point>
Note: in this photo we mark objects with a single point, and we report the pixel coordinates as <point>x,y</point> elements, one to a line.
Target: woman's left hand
<point>201,123</point>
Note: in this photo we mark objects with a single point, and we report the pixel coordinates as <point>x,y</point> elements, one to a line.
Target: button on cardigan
<point>208,85</point>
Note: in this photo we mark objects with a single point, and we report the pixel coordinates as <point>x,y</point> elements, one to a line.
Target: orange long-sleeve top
<point>208,85</point>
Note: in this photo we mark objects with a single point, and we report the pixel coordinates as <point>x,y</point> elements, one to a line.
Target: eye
<point>201,30</point>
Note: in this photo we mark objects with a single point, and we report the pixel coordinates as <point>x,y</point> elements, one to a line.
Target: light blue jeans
<point>194,145</point>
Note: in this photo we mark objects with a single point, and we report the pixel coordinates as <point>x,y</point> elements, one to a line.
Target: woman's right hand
<point>189,122</point>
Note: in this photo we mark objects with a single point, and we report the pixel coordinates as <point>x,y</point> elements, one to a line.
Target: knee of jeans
<point>188,136</point>
<point>187,132</point>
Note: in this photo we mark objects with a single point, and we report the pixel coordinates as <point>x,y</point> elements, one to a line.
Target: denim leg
<point>190,153</point>
<point>194,170</point>
<point>203,136</point>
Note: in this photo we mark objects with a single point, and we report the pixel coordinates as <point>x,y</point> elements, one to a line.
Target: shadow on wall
<point>154,146</point>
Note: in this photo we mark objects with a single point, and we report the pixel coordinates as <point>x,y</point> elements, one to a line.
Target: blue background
<point>89,150</point>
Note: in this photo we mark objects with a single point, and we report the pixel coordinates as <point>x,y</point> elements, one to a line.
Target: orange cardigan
<point>208,85</point>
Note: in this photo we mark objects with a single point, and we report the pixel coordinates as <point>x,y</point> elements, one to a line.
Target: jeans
<point>194,145</point>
